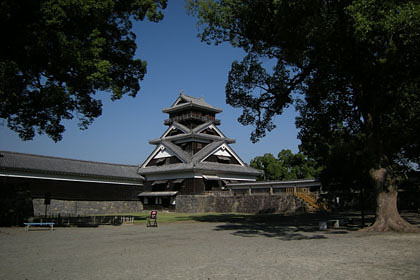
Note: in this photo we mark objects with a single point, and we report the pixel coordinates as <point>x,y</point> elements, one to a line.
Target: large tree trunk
<point>387,216</point>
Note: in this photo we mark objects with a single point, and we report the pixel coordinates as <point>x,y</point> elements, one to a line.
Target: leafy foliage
<point>287,166</point>
<point>56,54</point>
<point>349,67</point>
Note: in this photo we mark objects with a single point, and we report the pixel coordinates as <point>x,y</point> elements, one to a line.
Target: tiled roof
<point>206,151</point>
<point>165,168</point>
<point>181,154</point>
<point>180,126</point>
<point>200,167</point>
<point>20,162</point>
<point>189,101</point>
<point>192,134</point>
<point>231,168</point>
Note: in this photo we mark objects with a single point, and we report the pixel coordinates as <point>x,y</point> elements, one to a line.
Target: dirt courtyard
<point>230,249</point>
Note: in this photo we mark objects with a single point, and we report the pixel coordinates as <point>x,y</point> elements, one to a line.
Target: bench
<point>49,224</point>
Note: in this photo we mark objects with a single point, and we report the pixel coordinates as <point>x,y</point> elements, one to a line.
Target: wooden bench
<point>49,224</point>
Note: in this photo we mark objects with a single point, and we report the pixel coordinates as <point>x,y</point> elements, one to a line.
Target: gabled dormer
<point>176,129</point>
<point>162,156</point>
<point>223,154</point>
<point>209,129</point>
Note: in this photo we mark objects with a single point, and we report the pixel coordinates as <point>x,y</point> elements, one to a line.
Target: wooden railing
<point>191,116</point>
<point>308,197</point>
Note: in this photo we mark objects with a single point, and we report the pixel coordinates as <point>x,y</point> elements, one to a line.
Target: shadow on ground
<point>411,217</point>
<point>295,226</point>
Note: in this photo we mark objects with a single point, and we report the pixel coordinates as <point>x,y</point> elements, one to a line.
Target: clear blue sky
<point>177,60</point>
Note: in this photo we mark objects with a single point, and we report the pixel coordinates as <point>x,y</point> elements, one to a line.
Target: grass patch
<point>279,219</point>
<point>172,217</point>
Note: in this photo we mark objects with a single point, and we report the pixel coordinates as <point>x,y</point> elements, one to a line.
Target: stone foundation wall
<point>262,203</point>
<point>74,208</point>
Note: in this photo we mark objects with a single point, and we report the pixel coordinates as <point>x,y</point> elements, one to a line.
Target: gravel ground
<point>208,250</point>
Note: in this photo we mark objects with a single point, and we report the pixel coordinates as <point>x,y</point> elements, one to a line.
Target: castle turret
<point>192,156</point>
<point>191,112</point>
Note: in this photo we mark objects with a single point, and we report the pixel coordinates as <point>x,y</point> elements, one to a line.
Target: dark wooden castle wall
<point>193,186</point>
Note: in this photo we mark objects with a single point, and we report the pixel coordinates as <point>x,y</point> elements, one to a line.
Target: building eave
<point>52,177</point>
<point>20,164</point>
<point>191,105</point>
<point>192,136</point>
<point>278,184</point>
<point>200,168</point>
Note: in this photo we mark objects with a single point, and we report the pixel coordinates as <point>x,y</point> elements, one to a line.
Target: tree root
<point>392,225</point>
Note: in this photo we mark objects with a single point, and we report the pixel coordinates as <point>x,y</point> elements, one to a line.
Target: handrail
<point>309,198</point>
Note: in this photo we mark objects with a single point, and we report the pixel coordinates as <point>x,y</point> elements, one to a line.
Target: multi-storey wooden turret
<point>191,112</point>
<point>192,156</point>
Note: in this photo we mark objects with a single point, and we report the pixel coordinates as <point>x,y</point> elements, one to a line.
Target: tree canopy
<point>287,166</point>
<point>56,54</point>
<point>349,67</point>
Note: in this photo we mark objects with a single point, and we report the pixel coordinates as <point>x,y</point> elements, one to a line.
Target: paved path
<point>194,250</point>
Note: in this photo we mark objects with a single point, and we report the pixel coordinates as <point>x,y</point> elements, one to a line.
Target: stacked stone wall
<point>67,207</point>
<point>262,203</point>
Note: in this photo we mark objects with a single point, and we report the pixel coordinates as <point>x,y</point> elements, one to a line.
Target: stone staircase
<point>311,200</point>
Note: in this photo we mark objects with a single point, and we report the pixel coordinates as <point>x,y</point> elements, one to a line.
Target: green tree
<point>287,166</point>
<point>350,67</point>
<point>56,54</point>
<point>267,163</point>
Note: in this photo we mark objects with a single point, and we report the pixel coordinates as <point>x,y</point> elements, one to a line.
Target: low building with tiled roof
<point>70,179</point>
